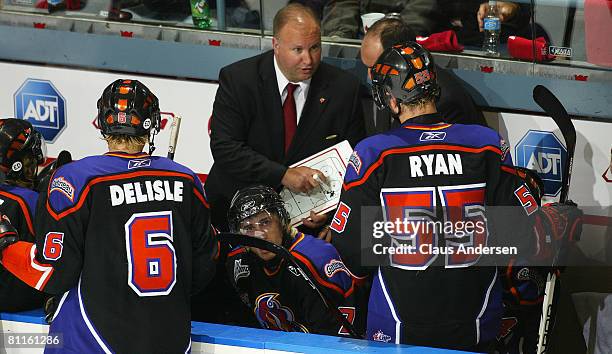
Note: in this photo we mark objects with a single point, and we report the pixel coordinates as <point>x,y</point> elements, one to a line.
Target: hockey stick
<point>551,105</point>
<point>280,251</point>
<point>174,132</point>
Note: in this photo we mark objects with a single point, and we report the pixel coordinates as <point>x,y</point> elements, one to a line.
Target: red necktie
<point>290,115</point>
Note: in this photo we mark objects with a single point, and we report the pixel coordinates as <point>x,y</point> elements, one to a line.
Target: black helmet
<point>18,140</point>
<point>252,200</point>
<point>405,71</point>
<point>127,107</point>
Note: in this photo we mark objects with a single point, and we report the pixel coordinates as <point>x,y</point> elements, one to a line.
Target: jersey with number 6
<point>426,171</point>
<point>125,238</point>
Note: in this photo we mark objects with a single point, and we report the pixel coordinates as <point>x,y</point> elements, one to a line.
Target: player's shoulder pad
<point>325,259</point>
<point>165,163</point>
<point>480,136</point>
<point>367,154</point>
<point>68,182</point>
<point>161,163</point>
<point>29,196</point>
<point>475,135</point>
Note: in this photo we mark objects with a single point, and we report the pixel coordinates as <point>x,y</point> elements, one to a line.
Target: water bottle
<point>200,12</point>
<point>492,26</point>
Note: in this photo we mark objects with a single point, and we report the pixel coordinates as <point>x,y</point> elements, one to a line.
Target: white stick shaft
<point>545,325</point>
<point>174,133</point>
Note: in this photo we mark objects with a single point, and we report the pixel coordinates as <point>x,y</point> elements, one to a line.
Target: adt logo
<point>544,153</point>
<point>40,103</point>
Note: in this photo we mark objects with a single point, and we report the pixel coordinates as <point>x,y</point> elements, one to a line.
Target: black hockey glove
<point>43,177</point>
<point>557,225</point>
<point>8,234</point>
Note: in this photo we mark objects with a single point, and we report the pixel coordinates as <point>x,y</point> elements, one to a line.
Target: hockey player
<point>432,173</point>
<point>277,294</point>
<point>21,150</point>
<point>124,236</point>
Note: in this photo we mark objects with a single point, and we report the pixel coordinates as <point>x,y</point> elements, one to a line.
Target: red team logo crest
<point>271,314</point>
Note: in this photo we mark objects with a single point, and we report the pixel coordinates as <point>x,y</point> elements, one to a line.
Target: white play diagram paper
<point>332,162</point>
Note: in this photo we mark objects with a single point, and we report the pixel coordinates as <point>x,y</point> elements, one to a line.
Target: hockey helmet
<point>128,107</point>
<point>19,140</point>
<point>406,72</point>
<point>250,201</point>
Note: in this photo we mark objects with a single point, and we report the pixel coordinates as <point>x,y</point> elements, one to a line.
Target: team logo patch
<point>16,167</point>
<point>334,266</point>
<point>271,314</point>
<point>432,136</point>
<point>138,163</point>
<point>61,185</point>
<point>530,275</point>
<point>147,123</point>
<point>355,161</point>
<point>379,336</point>
<point>240,271</point>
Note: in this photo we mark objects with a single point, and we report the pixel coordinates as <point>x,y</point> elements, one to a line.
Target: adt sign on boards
<point>544,153</point>
<point>40,103</point>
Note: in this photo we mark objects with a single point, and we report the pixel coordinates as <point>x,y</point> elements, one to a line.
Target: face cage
<point>258,229</point>
<point>235,218</point>
<point>378,94</point>
<point>39,147</point>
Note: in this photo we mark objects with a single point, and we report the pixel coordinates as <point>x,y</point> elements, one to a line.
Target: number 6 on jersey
<point>150,253</point>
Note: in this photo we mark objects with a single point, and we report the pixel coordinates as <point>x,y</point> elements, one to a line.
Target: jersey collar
<point>126,155</point>
<point>427,119</point>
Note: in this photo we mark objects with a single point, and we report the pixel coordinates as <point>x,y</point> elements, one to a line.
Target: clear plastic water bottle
<point>492,27</point>
<point>200,12</point>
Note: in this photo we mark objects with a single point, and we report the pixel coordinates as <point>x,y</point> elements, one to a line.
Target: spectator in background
<point>342,18</point>
<point>466,19</point>
<point>455,103</point>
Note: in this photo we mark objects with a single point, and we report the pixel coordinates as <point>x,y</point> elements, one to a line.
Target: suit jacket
<point>455,104</point>
<point>247,129</point>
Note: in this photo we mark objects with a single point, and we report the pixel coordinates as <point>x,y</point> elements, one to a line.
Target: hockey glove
<point>557,224</point>
<point>44,175</point>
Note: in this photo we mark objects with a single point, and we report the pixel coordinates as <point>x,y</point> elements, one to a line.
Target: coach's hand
<point>301,179</point>
<point>8,233</point>
<point>315,221</point>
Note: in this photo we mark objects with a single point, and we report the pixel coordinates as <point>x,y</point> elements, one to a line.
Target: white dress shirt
<point>299,94</point>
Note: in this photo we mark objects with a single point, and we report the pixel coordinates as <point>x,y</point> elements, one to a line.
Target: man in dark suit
<point>278,108</point>
<point>455,103</point>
